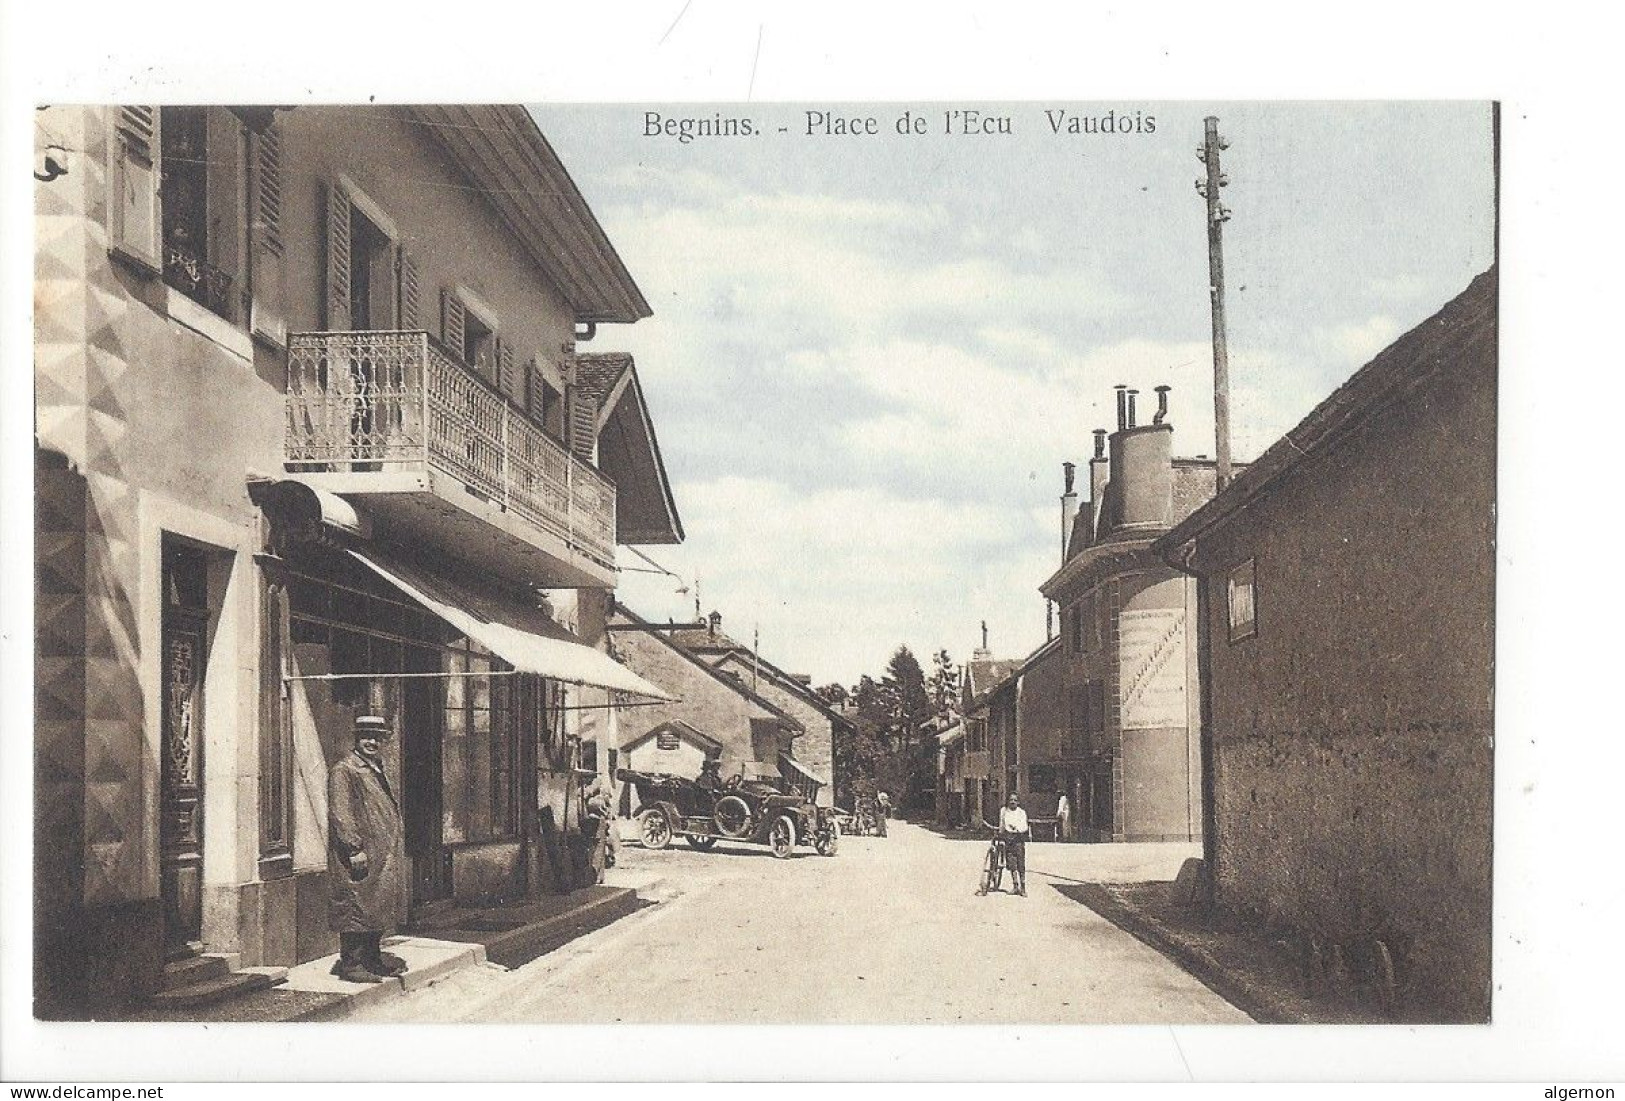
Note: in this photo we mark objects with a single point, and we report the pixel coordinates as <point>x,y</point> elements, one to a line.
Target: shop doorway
<point>185,581</point>
<point>423,798</point>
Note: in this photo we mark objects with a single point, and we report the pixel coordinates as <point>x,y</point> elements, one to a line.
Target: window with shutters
<point>480,347</point>
<point>372,274</point>
<point>202,200</point>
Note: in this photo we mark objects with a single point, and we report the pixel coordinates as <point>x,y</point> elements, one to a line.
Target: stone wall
<point>1353,732</point>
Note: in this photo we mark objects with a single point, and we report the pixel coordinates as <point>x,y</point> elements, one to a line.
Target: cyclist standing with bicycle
<point>1016,832</point>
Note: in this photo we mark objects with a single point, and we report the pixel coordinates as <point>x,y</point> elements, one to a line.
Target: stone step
<point>212,991</point>
<point>195,969</point>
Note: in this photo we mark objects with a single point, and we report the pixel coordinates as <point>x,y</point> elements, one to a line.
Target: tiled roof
<point>597,373</point>
<point>982,677</point>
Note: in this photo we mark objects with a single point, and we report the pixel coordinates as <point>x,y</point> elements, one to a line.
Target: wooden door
<point>180,829</point>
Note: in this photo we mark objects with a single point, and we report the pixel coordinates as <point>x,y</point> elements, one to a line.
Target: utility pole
<point>1217,215</point>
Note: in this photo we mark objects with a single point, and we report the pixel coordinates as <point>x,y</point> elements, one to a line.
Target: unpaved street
<point>889,931</point>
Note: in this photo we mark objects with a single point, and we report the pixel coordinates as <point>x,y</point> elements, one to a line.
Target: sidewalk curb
<point>1253,999</point>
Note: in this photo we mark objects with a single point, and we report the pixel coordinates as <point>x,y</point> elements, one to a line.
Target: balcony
<point>391,421</point>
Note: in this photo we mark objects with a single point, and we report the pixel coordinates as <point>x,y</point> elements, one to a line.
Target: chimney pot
<point>1162,404</point>
<point>1069,472</point>
<point>1100,443</point>
<point>1132,394</point>
<point>716,623</point>
<point>1122,406</point>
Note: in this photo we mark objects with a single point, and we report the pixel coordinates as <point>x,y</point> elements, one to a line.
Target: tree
<point>833,694</point>
<point>943,685</point>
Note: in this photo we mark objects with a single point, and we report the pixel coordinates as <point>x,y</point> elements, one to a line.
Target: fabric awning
<point>521,636</point>
<point>797,766</point>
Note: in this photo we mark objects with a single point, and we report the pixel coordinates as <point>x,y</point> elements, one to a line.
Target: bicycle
<point>993,866</point>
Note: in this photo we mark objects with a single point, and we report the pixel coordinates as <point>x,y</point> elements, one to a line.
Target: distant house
<point>814,757</point>
<point>1346,597</point>
<point>989,725</point>
<point>1128,758</point>
<point>951,775</point>
<point>673,747</point>
<point>754,736</point>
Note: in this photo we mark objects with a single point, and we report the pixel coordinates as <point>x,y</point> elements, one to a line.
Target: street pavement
<point>890,931</point>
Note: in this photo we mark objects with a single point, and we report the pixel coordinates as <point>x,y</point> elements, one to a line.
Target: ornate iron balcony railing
<point>394,401</point>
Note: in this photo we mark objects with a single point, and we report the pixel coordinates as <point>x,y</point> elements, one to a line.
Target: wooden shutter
<point>583,426</point>
<point>268,308</point>
<point>451,322</point>
<point>536,390</point>
<point>336,296</point>
<point>134,220</point>
<point>508,378</point>
<point>410,290</point>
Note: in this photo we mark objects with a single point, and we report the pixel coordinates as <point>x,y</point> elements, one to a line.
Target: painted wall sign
<point>1151,649</point>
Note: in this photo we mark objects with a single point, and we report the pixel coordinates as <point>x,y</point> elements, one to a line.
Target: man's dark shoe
<point>387,964</point>
<point>355,972</point>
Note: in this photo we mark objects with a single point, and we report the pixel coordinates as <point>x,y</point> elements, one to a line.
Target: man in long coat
<point>366,857</point>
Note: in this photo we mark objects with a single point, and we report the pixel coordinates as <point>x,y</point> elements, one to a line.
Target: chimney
<point>716,623</point>
<point>1132,394</point>
<point>1069,506</point>
<point>1162,404</point>
<point>1122,406</point>
<point>1100,443</point>
<point>1142,477</point>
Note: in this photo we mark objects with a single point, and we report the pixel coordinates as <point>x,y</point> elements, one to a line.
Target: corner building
<point>311,444</point>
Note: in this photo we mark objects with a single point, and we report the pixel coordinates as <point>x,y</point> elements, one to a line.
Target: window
<point>203,150</point>
<point>547,406</point>
<point>1077,627</point>
<point>1243,608</point>
<point>479,347</point>
<point>589,755</point>
<point>372,275</point>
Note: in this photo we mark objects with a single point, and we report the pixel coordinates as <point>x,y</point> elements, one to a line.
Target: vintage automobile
<point>734,810</point>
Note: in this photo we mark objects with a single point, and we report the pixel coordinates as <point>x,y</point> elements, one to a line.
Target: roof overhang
<point>629,454</point>
<point>511,164</point>
<point>1090,563</point>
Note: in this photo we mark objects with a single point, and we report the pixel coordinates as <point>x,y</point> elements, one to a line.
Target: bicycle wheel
<point>990,871</point>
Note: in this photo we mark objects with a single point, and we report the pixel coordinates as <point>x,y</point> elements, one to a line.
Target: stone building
<point>1346,588</point>
<point>821,724</point>
<point>312,443</point>
<point>1128,759</point>
<point>989,719</point>
<point>715,711</point>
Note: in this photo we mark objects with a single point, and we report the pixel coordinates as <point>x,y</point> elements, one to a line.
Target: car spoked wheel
<point>829,839</point>
<point>733,817</point>
<point>654,830</point>
<point>782,836</point>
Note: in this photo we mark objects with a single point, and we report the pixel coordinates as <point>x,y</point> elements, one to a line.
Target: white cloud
<point>1353,342</point>
<point>836,579</point>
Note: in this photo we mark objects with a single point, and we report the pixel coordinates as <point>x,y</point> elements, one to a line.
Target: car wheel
<point>782,836</point>
<point>829,839</point>
<point>733,817</point>
<point>654,829</point>
<point>701,843</point>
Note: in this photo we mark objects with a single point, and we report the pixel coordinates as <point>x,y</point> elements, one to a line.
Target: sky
<point>870,354</point>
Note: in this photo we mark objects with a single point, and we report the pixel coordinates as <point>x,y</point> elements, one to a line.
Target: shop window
<point>1243,601</point>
